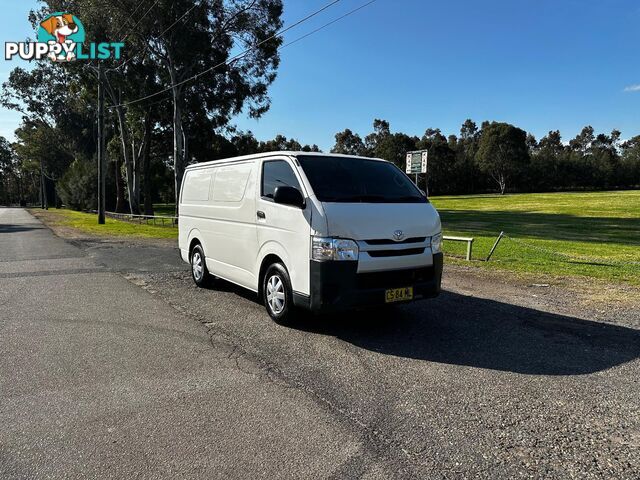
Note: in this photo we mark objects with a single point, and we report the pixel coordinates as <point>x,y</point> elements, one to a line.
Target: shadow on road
<point>462,330</point>
<point>9,228</point>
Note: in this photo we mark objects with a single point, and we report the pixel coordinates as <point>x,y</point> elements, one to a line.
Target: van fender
<point>271,247</point>
<point>194,234</point>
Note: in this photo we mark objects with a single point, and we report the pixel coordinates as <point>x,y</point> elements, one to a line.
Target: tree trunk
<point>120,201</point>
<point>179,161</point>
<point>136,173</point>
<point>128,154</point>
<point>146,164</point>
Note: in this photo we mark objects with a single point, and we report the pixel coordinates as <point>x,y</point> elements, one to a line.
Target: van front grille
<point>395,253</point>
<point>386,241</point>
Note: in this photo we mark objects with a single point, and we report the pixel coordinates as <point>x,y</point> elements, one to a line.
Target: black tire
<point>277,294</point>
<point>199,272</point>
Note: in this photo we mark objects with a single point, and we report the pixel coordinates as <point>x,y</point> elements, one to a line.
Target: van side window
<point>230,182</point>
<point>276,173</point>
<point>196,186</point>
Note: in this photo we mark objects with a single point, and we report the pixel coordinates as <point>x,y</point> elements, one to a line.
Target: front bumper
<point>338,286</point>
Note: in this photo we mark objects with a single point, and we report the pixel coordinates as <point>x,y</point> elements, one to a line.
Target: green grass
<point>167,209</point>
<point>88,223</point>
<point>600,231</point>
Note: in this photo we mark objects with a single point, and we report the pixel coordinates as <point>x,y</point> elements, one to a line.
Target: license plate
<point>398,294</point>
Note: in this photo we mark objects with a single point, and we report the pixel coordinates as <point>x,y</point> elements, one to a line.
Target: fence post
<point>495,245</point>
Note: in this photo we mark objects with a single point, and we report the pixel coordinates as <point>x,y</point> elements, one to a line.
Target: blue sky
<point>540,65</point>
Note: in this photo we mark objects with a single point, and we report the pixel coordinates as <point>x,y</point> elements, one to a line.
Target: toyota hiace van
<point>322,232</point>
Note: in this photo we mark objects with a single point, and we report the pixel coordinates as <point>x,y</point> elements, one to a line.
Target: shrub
<point>77,187</point>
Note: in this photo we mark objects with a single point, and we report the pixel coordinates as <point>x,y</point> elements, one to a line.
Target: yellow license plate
<point>398,294</point>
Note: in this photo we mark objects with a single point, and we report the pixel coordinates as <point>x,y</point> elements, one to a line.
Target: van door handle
<point>261,214</point>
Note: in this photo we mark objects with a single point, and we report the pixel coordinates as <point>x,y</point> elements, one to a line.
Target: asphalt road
<point>113,364</point>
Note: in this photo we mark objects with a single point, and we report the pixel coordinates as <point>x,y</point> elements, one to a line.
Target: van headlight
<point>324,248</point>
<point>436,243</point>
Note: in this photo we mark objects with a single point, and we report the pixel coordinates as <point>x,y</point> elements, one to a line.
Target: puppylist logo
<point>61,38</point>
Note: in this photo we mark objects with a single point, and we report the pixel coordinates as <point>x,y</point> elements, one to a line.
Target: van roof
<point>278,153</point>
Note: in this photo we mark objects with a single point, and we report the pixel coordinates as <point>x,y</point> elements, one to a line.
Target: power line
<point>138,22</point>
<point>132,14</point>
<point>134,26</point>
<point>232,59</point>
<point>351,12</point>
<point>161,34</point>
<point>183,15</point>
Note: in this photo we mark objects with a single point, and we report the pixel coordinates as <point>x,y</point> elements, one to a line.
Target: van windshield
<point>357,180</point>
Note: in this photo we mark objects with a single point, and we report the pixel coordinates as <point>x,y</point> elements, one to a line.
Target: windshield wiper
<point>372,199</point>
<point>365,198</point>
<point>408,198</point>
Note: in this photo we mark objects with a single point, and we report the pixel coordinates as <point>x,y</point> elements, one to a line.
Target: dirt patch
<point>580,297</point>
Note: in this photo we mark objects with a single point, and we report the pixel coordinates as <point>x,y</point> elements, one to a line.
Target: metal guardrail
<point>160,220</point>
<point>469,241</point>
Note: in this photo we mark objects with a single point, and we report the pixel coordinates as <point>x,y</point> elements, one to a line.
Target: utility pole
<point>101,162</point>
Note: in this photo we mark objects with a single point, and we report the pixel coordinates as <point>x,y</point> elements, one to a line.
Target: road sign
<point>417,162</point>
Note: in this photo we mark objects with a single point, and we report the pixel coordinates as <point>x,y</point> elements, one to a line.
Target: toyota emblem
<point>398,235</point>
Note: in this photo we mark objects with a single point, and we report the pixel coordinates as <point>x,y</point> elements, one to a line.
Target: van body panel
<point>370,221</point>
<point>319,223</point>
<point>286,229</point>
<point>224,222</point>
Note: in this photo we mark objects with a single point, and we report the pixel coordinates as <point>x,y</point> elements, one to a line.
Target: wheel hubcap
<point>196,265</point>
<point>275,294</point>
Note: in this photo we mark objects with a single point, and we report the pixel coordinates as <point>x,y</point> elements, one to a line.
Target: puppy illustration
<point>61,27</point>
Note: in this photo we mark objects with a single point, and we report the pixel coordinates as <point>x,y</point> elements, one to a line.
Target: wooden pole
<point>101,162</point>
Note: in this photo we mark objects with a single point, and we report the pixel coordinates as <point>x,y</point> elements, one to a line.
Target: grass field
<point>88,223</point>
<point>595,234</point>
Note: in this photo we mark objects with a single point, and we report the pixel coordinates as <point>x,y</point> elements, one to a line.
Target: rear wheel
<point>199,271</point>
<point>277,294</point>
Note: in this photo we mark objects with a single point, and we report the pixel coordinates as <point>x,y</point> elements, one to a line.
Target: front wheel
<point>277,294</point>
<point>199,271</point>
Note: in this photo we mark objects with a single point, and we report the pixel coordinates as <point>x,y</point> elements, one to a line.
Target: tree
<point>502,152</point>
<point>549,163</point>
<point>392,147</point>
<point>441,161</point>
<point>281,143</point>
<point>466,171</point>
<point>7,172</point>
<point>348,143</point>
<point>630,161</point>
<point>582,142</point>
<point>216,29</point>
<point>77,187</point>
<point>381,131</point>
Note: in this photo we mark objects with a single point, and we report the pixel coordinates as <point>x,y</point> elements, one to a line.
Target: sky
<point>541,65</point>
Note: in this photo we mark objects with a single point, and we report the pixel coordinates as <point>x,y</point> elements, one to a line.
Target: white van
<point>318,231</point>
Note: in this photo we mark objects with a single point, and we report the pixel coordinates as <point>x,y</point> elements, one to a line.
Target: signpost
<point>417,163</point>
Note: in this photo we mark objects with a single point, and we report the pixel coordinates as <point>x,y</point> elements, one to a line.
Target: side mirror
<point>286,195</point>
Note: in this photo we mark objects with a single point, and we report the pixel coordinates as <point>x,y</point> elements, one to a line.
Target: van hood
<point>371,221</point>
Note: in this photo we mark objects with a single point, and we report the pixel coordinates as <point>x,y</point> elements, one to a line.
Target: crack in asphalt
<point>374,438</point>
